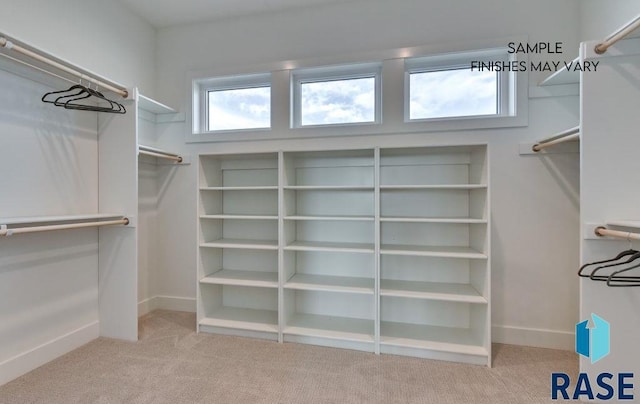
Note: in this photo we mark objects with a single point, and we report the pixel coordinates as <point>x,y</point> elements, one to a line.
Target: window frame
<point>236,82</point>
<point>392,90</point>
<point>506,100</point>
<point>335,73</point>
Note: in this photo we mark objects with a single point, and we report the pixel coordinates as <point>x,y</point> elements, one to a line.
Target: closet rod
<point>154,150</point>
<point>7,44</point>
<point>39,229</point>
<point>566,136</point>
<point>618,35</point>
<point>160,155</point>
<point>604,232</point>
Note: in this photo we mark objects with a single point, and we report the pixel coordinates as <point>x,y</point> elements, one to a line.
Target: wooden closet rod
<point>566,136</point>
<point>39,229</point>
<point>618,35</point>
<point>7,44</point>
<point>604,232</point>
<point>153,152</point>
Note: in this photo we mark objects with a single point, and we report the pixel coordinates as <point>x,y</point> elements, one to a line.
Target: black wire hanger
<point>69,98</point>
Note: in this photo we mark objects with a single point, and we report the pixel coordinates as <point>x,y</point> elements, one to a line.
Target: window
<point>450,93</point>
<point>337,95</point>
<point>237,103</point>
<point>424,92</point>
<point>445,86</point>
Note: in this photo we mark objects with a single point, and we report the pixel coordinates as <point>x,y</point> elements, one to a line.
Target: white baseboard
<point>27,361</point>
<point>174,303</point>
<point>534,337</point>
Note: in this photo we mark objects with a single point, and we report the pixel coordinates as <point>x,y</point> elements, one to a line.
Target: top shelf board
<point>153,106</point>
<point>563,76</point>
<point>55,219</point>
<point>632,224</point>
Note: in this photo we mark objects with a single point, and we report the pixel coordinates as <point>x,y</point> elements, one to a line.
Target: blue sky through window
<point>244,108</point>
<point>338,101</point>
<point>450,93</point>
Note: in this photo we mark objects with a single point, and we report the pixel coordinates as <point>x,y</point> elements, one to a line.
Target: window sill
<point>428,126</point>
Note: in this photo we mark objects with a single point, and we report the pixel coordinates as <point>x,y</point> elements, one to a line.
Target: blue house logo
<point>593,342</point>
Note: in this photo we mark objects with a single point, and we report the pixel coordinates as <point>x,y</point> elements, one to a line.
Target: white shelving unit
<point>238,261</point>
<point>382,250</point>
<point>434,270</point>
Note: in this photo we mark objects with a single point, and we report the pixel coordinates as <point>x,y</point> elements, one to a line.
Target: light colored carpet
<point>173,364</point>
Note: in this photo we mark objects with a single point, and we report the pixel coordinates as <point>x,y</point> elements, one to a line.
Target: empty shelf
<point>563,76</point>
<point>242,244</point>
<point>154,106</point>
<point>241,217</point>
<point>329,187</point>
<point>445,339</point>
<point>329,246</point>
<point>332,218</point>
<point>247,188</point>
<point>413,219</point>
<point>632,224</point>
<point>330,283</point>
<point>444,186</point>
<point>245,319</point>
<point>243,278</point>
<point>446,252</point>
<point>311,325</point>
<point>454,292</point>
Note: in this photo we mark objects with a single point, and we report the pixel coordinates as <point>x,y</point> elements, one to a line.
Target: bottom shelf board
<point>312,325</point>
<point>452,292</point>
<point>444,339</point>
<point>242,278</point>
<point>244,319</point>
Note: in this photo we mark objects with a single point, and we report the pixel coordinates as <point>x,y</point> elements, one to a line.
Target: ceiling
<point>164,13</point>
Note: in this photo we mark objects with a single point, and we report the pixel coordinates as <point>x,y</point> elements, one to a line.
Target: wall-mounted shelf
<point>158,112</point>
<point>154,106</point>
<point>563,76</point>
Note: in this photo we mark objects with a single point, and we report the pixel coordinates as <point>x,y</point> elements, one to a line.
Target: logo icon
<point>593,341</point>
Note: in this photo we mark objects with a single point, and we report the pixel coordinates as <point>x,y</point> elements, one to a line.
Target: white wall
<point>610,133</point>
<point>600,18</point>
<point>535,199</point>
<point>49,282</point>
<point>101,36</point>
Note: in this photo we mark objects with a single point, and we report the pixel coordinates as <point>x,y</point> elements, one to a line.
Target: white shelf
<point>248,188</point>
<point>243,278</point>
<point>333,218</point>
<point>329,246</point>
<point>330,283</point>
<point>445,339</point>
<point>242,244</point>
<point>54,219</point>
<point>452,292</point>
<point>329,188</point>
<point>342,328</point>
<point>240,217</point>
<point>154,106</point>
<point>244,319</point>
<point>445,252</point>
<point>443,186</point>
<point>563,76</point>
<point>632,224</point>
<point>414,219</point>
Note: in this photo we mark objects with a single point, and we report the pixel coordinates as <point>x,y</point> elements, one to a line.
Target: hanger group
<point>618,269</point>
<point>82,98</point>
